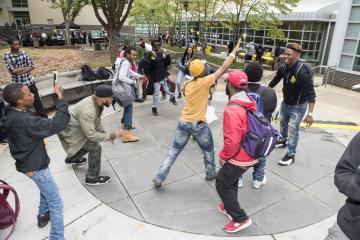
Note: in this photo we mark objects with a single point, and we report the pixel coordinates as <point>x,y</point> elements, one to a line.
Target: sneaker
<point>209,178</point>
<point>233,227</point>
<point>4,141</point>
<point>241,182</point>
<point>179,96</point>
<point>123,126</point>
<point>155,112</point>
<point>129,137</point>
<point>99,181</point>
<point>163,98</point>
<point>287,160</point>
<point>79,162</point>
<point>157,183</point>
<point>43,220</point>
<point>257,184</point>
<point>221,208</point>
<point>173,101</point>
<point>281,144</point>
<point>140,100</point>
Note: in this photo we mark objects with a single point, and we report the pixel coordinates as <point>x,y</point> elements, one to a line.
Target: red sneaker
<point>221,208</point>
<point>233,227</point>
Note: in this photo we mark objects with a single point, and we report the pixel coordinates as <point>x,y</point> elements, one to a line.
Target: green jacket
<point>85,125</point>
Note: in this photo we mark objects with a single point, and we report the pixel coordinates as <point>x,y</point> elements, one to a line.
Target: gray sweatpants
<point>335,233</point>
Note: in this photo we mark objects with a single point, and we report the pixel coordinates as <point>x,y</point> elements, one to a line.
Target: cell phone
<point>56,77</point>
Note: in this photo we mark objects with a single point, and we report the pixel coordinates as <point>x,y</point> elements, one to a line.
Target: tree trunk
<point>114,43</point>
<point>67,30</point>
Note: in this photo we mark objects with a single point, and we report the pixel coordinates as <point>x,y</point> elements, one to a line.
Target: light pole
<point>186,7</point>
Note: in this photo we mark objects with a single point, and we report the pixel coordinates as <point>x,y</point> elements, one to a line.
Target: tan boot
<point>129,137</point>
<point>123,126</point>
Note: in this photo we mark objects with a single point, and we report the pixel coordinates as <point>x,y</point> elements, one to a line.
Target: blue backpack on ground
<point>261,136</point>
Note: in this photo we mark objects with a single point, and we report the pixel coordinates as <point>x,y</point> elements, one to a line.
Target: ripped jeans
<point>202,135</point>
<point>291,116</point>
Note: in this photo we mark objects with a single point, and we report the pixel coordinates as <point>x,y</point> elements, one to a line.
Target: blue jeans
<point>202,135</point>
<point>291,116</point>
<point>259,170</point>
<point>50,199</point>
<point>157,87</point>
<point>179,81</point>
<point>127,116</point>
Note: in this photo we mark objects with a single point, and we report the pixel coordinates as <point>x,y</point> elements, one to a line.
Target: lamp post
<point>186,7</point>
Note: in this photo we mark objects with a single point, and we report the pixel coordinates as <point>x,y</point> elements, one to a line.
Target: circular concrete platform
<point>294,197</point>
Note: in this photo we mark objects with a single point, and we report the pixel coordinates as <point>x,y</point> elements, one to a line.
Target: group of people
<point>258,52</point>
<point>80,130</point>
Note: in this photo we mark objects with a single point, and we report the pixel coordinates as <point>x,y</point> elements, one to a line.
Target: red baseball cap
<point>237,78</point>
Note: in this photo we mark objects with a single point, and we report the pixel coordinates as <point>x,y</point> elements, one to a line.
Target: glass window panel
<point>355,14</point>
<point>349,46</point>
<point>358,49</point>
<point>356,2</point>
<point>306,36</point>
<point>312,45</point>
<point>356,66</point>
<point>259,40</point>
<point>296,25</point>
<point>307,55</point>
<point>346,62</point>
<point>285,26</point>
<point>353,30</point>
<point>316,56</point>
<point>297,35</point>
<point>249,31</point>
<point>316,26</point>
<point>269,41</point>
<point>305,45</point>
<point>308,26</point>
<point>318,46</point>
<point>313,36</point>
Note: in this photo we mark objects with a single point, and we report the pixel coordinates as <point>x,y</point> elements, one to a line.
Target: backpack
<point>257,98</point>
<point>103,73</point>
<point>7,214</point>
<point>87,73</point>
<point>261,136</point>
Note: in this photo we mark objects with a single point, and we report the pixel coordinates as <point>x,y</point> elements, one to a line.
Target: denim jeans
<point>335,233</point>
<point>259,170</point>
<point>127,116</point>
<point>157,87</point>
<point>202,135</point>
<point>179,81</point>
<point>227,187</point>
<point>50,199</point>
<point>291,116</point>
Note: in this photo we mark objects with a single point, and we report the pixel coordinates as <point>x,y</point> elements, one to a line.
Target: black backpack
<point>103,73</point>
<point>87,73</point>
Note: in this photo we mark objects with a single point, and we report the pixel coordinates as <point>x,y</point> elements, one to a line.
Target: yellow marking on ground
<point>336,126</point>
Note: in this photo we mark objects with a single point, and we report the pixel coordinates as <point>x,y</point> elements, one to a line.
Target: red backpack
<point>7,214</point>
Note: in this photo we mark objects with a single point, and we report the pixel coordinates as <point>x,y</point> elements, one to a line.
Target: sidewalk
<point>302,198</point>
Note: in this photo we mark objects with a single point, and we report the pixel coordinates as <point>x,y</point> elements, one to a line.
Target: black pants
<point>37,101</point>
<point>227,187</point>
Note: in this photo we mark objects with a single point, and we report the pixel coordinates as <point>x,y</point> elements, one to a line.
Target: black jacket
<point>347,180</point>
<point>26,136</point>
<point>298,83</point>
<point>159,63</point>
<point>268,97</point>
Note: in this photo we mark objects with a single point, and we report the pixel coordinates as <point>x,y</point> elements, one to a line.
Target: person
<point>259,53</point>
<point>7,25</point>
<point>3,136</point>
<point>85,131</point>
<point>268,99</point>
<point>20,65</point>
<point>184,61</point>
<point>144,69</point>
<point>159,62</point>
<point>230,46</point>
<point>19,36</point>
<point>250,51</point>
<point>192,120</point>
<point>128,76</point>
<point>298,91</point>
<point>72,38</point>
<point>233,159</point>
<point>347,180</point>
<point>276,55</point>
<point>90,39</point>
<point>26,142</point>
<point>13,26</point>
<point>267,56</point>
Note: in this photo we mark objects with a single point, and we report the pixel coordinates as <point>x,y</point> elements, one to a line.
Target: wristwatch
<point>232,55</point>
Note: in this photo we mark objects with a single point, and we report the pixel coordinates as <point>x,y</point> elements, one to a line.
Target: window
<point>358,49</point>
<point>306,36</point>
<point>20,3</point>
<point>346,62</point>
<point>50,21</point>
<point>355,14</point>
<point>353,30</point>
<point>356,66</point>
<point>296,26</point>
<point>308,26</point>
<point>295,35</point>
<point>349,46</point>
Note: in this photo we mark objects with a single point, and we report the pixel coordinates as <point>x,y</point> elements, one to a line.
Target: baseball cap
<point>103,91</point>
<point>196,68</point>
<point>237,79</point>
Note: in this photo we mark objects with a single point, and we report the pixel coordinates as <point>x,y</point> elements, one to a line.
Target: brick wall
<point>341,78</point>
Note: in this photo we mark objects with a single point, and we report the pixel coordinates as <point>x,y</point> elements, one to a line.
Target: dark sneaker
<point>209,178</point>
<point>4,141</point>
<point>79,162</point>
<point>140,100</point>
<point>43,220</point>
<point>157,183</point>
<point>173,101</point>
<point>155,112</point>
<point>281,144</point>
<point>99,181</point>
<point>287,160</point>
<point>179,96</point>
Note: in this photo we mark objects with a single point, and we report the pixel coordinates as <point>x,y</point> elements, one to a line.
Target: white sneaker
<point>241,182</point>
<point>258,184</point>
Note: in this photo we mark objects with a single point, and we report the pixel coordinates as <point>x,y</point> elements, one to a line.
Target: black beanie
<point>254,71</point>
<point>103,91</point>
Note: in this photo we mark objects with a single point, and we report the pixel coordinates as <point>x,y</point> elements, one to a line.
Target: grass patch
<point>173,48</point>
<point>219,61</point>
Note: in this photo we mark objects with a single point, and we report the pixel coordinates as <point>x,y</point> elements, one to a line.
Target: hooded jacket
<point>235,129</point>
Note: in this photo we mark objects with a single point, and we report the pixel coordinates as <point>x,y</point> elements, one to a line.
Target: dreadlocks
<point>13,93</point>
